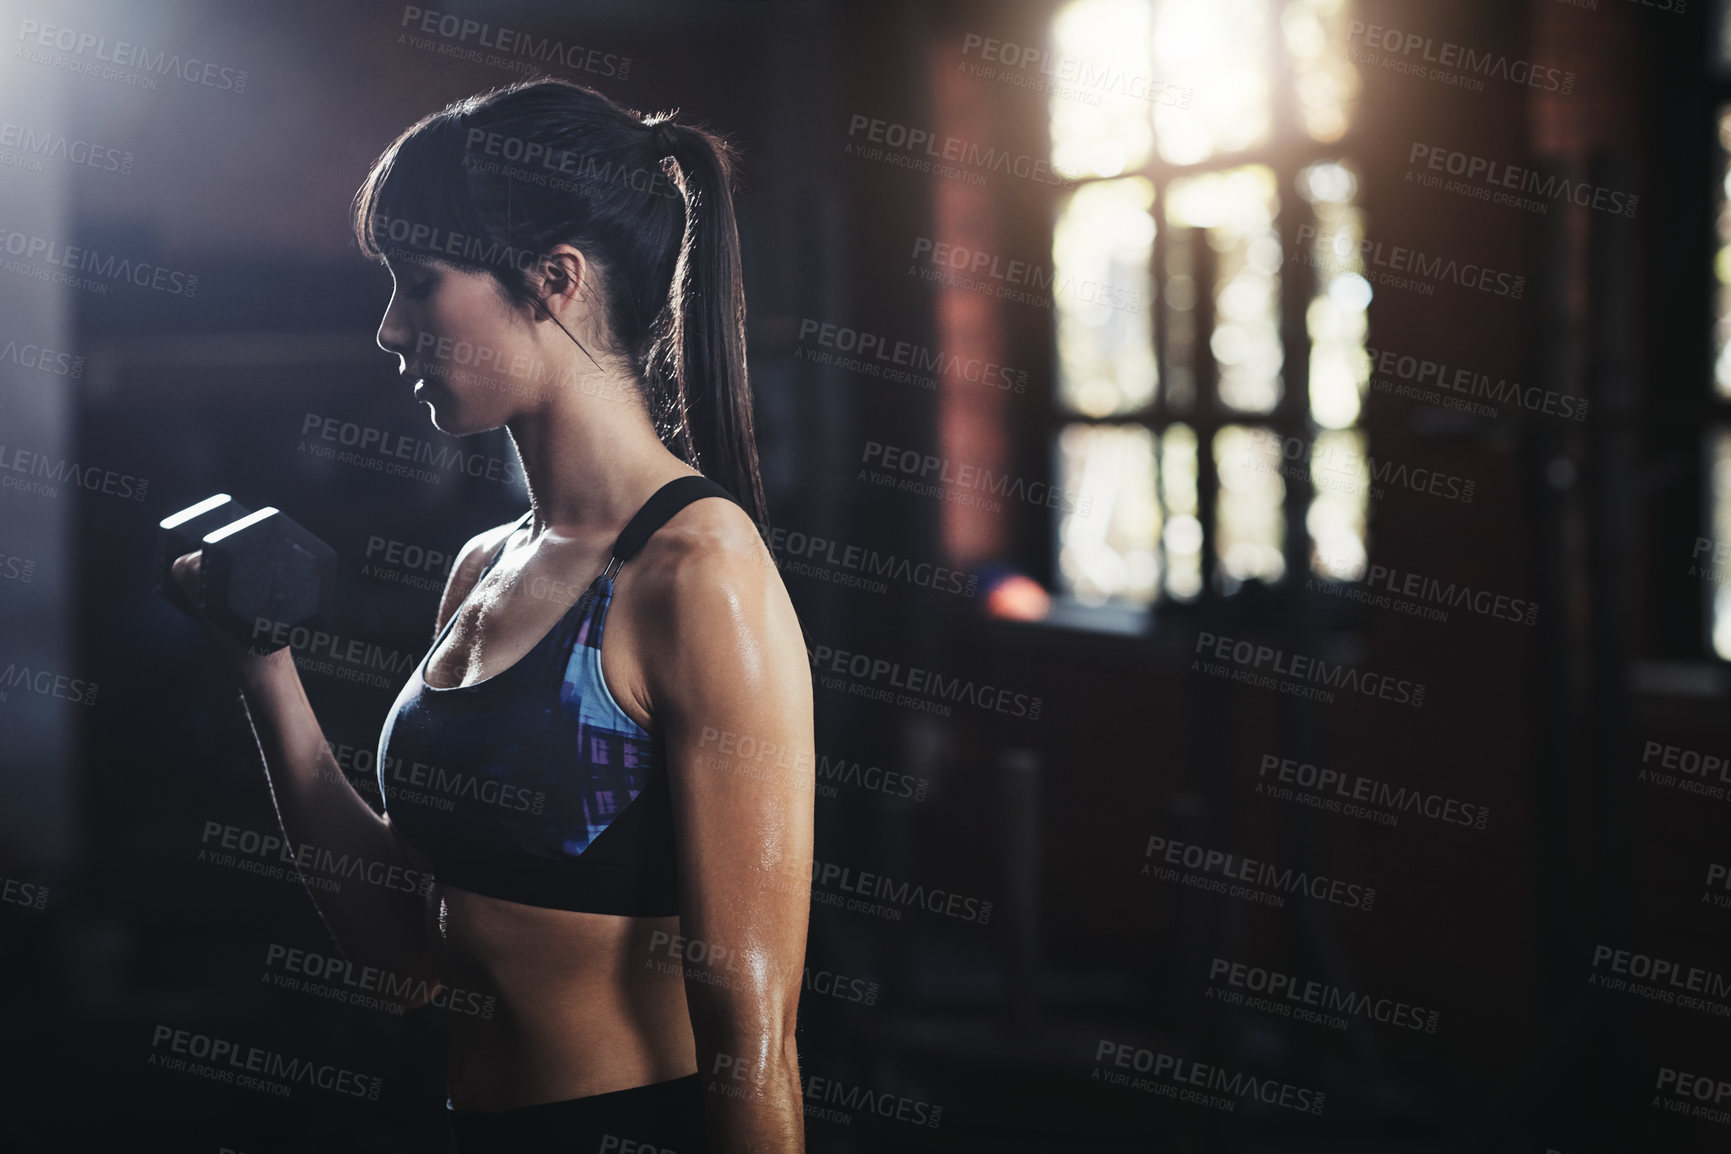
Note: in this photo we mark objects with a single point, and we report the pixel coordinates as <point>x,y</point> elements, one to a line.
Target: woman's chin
<point>450,423</point>
<point>448,426</point>
<point>447,416</point>
<point>438,418</point>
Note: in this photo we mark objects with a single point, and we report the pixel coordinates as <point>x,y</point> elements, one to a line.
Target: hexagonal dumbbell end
<point>264,576</point>
<point>183,532</point>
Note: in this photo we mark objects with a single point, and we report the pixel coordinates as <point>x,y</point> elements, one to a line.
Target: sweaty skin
<point>586,1003</point>
<point>701,639</point>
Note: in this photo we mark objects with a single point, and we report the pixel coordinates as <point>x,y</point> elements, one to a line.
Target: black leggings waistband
<point>664,1117</point>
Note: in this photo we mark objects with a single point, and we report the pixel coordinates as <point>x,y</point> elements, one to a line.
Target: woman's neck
<point>591,456</point>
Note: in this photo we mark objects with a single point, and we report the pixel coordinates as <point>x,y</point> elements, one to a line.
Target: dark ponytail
<point>709,319</point>
<point>494,181</point>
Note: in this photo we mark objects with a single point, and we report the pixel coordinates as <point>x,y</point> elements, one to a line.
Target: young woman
<point>570,271</point>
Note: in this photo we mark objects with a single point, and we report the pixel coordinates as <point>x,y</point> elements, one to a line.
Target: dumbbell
<point>262,574</point>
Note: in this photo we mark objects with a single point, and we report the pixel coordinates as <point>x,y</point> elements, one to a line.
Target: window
<point>1211,364</point>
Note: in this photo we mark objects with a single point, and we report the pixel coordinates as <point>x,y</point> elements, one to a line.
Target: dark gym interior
<point>1592,732</point>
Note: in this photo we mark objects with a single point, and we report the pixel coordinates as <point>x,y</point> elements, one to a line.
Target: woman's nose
<point>395,335</point>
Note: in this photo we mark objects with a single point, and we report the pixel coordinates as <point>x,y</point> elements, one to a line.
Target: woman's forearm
<point>363,883</point>
<point>753,1103</point>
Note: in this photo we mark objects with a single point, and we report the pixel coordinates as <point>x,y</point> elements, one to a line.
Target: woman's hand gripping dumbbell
<point>254,577</point>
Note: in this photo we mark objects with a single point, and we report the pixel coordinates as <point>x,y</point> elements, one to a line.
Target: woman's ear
<point>566,277</point>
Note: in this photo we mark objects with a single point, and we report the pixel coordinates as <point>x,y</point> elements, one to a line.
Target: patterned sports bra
<point>533,785</point>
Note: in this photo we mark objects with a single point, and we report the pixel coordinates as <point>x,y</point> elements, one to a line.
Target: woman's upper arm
<point>731,688</point>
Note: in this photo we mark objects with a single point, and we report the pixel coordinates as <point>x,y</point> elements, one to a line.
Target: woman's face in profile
<point>471,359</point>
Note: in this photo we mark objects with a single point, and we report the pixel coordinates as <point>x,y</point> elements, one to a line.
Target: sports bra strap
<point>656,511</point>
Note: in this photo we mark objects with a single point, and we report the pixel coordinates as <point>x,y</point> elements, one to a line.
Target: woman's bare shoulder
<point>705,539</point>
<point>708,567</point>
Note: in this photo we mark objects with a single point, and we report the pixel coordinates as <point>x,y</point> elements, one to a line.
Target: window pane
<point>1236,208</point>
<point>1337,322</point>
<point>1182,538</point>
<point>1191,79</point>
<point>1336,318</point>
<point>1251,528</point>
<point>1719,451</point>
<point>1218,50</point>
<point>1722,262</point>
<point>1101,71</point>
<point>1101,249</point>
<point>1323,78</point>
<point>1109,522</point>
<point>1340,475</point>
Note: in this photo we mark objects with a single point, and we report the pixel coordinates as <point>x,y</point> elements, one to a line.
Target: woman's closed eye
<point>416,285</point>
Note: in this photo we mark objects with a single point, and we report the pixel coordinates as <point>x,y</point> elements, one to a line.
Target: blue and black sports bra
<point>533,785</point>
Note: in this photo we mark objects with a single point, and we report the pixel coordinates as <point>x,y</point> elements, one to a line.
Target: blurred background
<point>1101,350</point>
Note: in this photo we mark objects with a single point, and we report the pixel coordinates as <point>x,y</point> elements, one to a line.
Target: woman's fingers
<point>185,571</point>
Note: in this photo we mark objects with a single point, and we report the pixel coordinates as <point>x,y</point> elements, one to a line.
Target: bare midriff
<point>586,1003</point>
